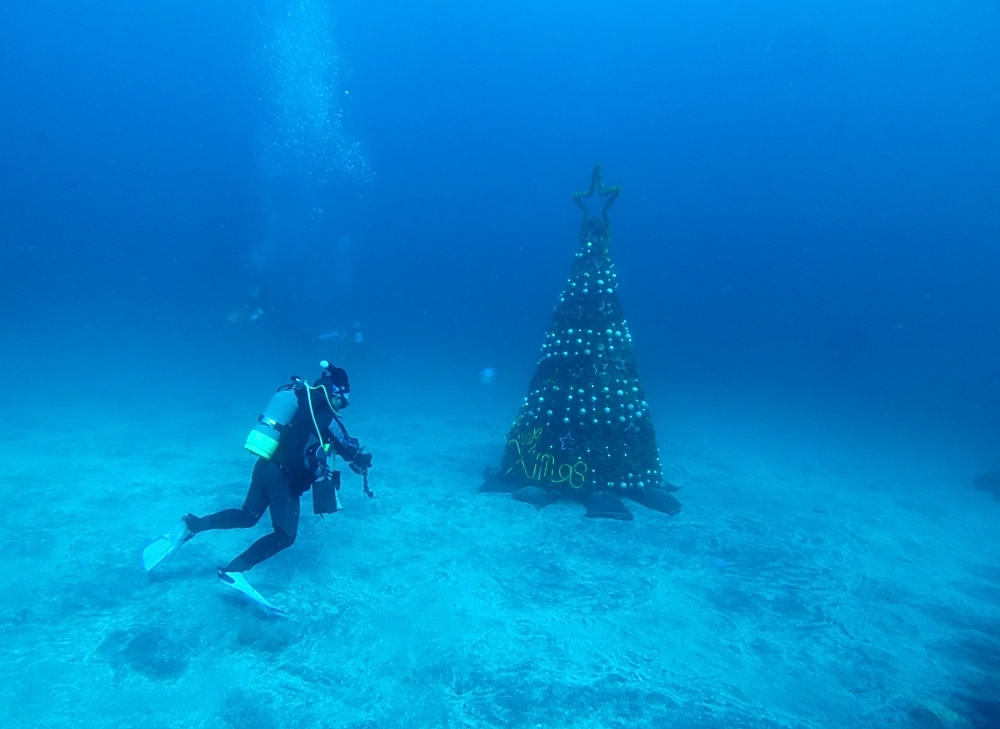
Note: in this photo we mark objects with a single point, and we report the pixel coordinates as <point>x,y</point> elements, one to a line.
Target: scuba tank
<point>263,439</point>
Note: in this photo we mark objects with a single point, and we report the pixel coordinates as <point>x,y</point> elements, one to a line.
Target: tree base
<point>599,504</point>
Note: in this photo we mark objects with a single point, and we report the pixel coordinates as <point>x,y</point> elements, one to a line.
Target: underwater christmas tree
<point>585,429</point>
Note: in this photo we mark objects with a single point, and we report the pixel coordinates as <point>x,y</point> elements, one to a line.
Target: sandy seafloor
<point>817,577</point>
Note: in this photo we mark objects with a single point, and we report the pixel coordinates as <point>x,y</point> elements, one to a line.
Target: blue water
<point>199,199</point>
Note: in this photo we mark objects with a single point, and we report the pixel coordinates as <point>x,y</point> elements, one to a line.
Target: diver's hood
<point>334,379</point>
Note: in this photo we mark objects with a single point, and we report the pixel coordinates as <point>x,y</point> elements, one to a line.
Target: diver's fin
<point>237,581</point>
<point>166,545</point>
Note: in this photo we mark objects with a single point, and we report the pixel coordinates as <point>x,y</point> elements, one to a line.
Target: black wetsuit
<point>278,483</point>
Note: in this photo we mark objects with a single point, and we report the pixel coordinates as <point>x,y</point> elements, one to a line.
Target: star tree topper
<point>596,201</point>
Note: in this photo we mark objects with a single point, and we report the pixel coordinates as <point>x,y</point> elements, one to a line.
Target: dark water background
<point>810,215</point>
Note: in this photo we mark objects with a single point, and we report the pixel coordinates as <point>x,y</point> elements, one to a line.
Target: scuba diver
<point>297,440</point>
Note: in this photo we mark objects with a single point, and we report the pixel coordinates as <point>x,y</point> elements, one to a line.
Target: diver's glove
<point>361,462</point>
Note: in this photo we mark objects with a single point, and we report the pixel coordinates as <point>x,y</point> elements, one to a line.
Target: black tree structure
<point>585,429</point>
